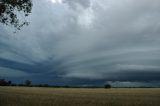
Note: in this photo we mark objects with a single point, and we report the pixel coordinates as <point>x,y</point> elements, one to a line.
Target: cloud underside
<point>86,39</point>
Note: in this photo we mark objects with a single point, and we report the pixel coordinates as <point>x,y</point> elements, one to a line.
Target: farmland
<point>34,96</point>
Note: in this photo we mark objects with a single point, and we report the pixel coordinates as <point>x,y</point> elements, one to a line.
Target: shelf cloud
<point>83,40</point>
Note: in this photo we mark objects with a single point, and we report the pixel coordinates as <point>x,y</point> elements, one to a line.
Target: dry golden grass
<point>32,96</point>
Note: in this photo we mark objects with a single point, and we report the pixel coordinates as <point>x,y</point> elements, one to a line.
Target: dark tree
<point>9,10</point>
<point>28,83</point>
<point>3,82</point>
<point>9,83</point>
<point>107,86</point>
<point>46,85</point>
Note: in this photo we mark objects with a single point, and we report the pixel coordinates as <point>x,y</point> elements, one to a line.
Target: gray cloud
<point>134,84</point>
<point>6,72</point>
<point>88,39</point>
<point>75,3</point>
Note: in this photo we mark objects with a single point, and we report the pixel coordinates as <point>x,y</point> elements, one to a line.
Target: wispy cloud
<point>7,72</point>
<point>134,83</point>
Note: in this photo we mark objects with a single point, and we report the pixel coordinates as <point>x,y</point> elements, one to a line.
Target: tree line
<point>28,83</point>
<point>3,82</point>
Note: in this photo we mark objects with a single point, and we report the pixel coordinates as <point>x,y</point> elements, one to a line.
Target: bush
<point>3,82</point>
<point>107,86</point>
<point>28,83</point>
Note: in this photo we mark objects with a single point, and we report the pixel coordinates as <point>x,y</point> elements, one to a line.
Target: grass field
<point>32,96</point>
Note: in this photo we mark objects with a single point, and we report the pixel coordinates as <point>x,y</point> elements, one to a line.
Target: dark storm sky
<point>85,42</point>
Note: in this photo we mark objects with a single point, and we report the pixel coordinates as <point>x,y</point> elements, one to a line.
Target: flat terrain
<point>32,96</point>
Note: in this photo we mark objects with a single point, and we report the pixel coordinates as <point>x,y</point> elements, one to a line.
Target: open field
<point>32,96</point>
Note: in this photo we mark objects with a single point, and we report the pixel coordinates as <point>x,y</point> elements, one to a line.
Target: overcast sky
<point>85,42</point>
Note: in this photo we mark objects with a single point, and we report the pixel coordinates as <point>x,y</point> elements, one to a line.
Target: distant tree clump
<point>28,83</point>
<point>9,10</point>
<point>9,83</point>
<point>3,82</point>
<point>107,86</point>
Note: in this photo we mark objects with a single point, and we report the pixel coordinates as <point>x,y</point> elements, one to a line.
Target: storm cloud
<point>85,40</point>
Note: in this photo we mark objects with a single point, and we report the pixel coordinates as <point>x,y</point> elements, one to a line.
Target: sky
<point>85,42</point>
